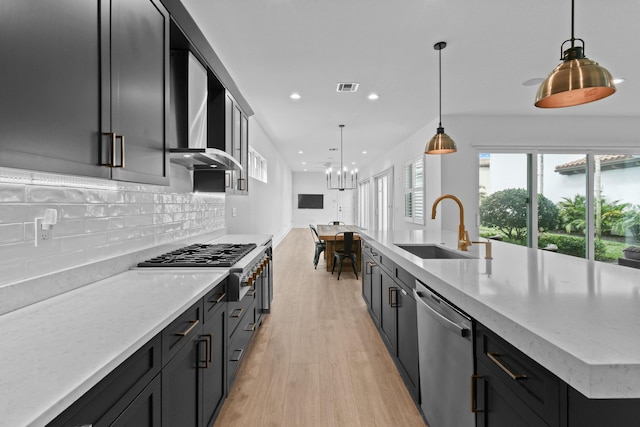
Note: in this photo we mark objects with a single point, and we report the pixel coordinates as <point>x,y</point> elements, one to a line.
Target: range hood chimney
<point>188,118</point>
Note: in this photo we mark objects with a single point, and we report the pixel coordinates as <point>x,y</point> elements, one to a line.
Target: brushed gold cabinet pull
<point>494,358</point>
<point>239,310</point>
<point>251,293</point>
<point>250,327</point>
<point>370,266</point>
<point>220,298</point>
<point>207,350</point>
<point>237,359</point>
<point>474,406</point>
<point>392,289</point>
<point>194,323</point>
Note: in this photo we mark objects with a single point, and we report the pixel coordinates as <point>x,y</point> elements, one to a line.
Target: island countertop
<point>577,318</point>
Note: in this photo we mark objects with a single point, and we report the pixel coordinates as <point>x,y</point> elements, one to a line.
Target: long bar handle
<point>392,289</point>
<point>239,351</point>
<point>220,298</point>
<point>250,327</point>
<point>121,165</point>
<point>114,138</point>
<point>252,292</point>
<point>207,356</point>
<point>194,323</point>
<point>460,330</point>
<point>494,358</point>
<point>474,398</point>
<point>239,310</point>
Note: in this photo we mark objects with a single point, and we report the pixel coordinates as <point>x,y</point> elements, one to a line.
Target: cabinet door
<point>408,339</point>
<point>389,322</point>
<point>499,406</point>
<point>376,293</point>
<point>137,93</point>
<point>213,379</point>
<point>50,86</point>
<point>144,411</point>
<point>181,383</point>
<point>367,271</point>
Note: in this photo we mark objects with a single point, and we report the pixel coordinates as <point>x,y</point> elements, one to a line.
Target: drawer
<point>238,344</point>
<point>238,309</point>
<point>181,330</point>
<point>120,387</point>
<point>404,278</point>
<point>386,263</point>
<point>215,300</point>
<point>530,382</point>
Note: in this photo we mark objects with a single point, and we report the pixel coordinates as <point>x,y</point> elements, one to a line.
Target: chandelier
<point>343,179</point>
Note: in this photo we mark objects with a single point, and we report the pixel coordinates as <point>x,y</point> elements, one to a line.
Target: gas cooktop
<point>201,255</point>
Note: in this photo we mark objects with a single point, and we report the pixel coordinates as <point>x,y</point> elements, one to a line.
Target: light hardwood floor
<point>317,359</point>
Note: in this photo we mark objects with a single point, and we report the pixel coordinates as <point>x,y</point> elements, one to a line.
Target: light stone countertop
<point>580,319</point>
<point>54,351</point>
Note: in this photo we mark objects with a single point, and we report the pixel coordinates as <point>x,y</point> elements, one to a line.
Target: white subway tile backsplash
<point>11,193</point>
<point>97,219</point>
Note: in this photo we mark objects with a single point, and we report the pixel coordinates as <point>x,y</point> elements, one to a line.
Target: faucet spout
<point>463,235</point>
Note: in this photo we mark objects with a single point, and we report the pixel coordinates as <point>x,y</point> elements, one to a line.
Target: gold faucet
<point>463,235</point>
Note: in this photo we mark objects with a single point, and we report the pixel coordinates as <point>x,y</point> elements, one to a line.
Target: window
<point>580,204</point>
<point>257,165</point>
<point>414,191</point>
<point>363,204</point>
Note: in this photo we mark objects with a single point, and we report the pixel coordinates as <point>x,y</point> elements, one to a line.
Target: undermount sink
<point>433,252</point>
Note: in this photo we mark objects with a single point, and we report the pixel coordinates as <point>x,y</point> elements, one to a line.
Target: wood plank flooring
<point>317,359</point>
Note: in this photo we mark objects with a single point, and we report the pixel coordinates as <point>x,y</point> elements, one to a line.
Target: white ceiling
<point>272,48</point>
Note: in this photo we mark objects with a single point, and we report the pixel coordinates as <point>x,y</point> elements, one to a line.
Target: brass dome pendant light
<point>441,143</point>
<point>577,80</point>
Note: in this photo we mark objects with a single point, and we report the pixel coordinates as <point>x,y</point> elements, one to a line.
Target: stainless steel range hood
<point>188,118</point>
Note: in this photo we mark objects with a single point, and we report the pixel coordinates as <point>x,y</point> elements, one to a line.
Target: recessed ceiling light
<point>305,170</point>
<point>295,95</point>
<point>300,152</point>
<point>353,163</point>
<point>373,96</point>
<point>364,152</point>
<point>304,163</point>
<point>618,80</point>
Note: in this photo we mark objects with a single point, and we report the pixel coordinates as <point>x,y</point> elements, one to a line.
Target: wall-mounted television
<point>310,201</point>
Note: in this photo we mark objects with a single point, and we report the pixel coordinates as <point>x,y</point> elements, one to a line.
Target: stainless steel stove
<point>247,264</point>
<point>202,255</point>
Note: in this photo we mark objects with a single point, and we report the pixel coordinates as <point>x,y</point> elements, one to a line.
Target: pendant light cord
<point>573,39</point>
<point>440,87</point>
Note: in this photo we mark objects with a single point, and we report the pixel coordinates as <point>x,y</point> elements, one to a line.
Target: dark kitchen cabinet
<point>50,85</point>
<point>181,383</point>
<point>128,396</point>
<point>135,90</point>
<point>84,84</point>
<point>512,389</point>
<point>229,131</point>
<point>213,370</point>
<point>389,318</point>
<point>393,309</point>
<point>408,340</point>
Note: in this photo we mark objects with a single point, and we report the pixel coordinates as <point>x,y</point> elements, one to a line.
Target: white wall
<point>267,208</point>
<point>338,205</point>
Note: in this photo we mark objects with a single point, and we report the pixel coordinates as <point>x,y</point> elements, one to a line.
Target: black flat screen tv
<point>310,201</point>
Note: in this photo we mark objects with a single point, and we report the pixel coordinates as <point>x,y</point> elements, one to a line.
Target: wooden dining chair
<point>346,252</point>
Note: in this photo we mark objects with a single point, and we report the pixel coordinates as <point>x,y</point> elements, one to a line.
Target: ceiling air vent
<point>347,87</point>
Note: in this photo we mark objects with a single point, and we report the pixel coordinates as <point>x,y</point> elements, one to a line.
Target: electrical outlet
<point>44,235</point>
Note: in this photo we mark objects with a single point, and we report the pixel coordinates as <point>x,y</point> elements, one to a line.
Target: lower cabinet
<point>393,310</point>
<point>176,379</point>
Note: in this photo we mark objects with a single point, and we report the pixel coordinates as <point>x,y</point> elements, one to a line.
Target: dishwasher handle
<point>450,324</point>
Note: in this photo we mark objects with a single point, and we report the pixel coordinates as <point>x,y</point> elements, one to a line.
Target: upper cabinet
<point>135,89</point>
<point>229,131</point>
<point>85,88</point>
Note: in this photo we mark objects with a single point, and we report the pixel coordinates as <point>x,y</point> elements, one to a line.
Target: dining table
<point>329,234</point>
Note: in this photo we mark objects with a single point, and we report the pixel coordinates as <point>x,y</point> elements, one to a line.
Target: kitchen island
<point>576,318</point>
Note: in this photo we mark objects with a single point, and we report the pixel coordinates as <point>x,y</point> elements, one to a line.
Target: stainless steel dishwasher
<point>446,360</point>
